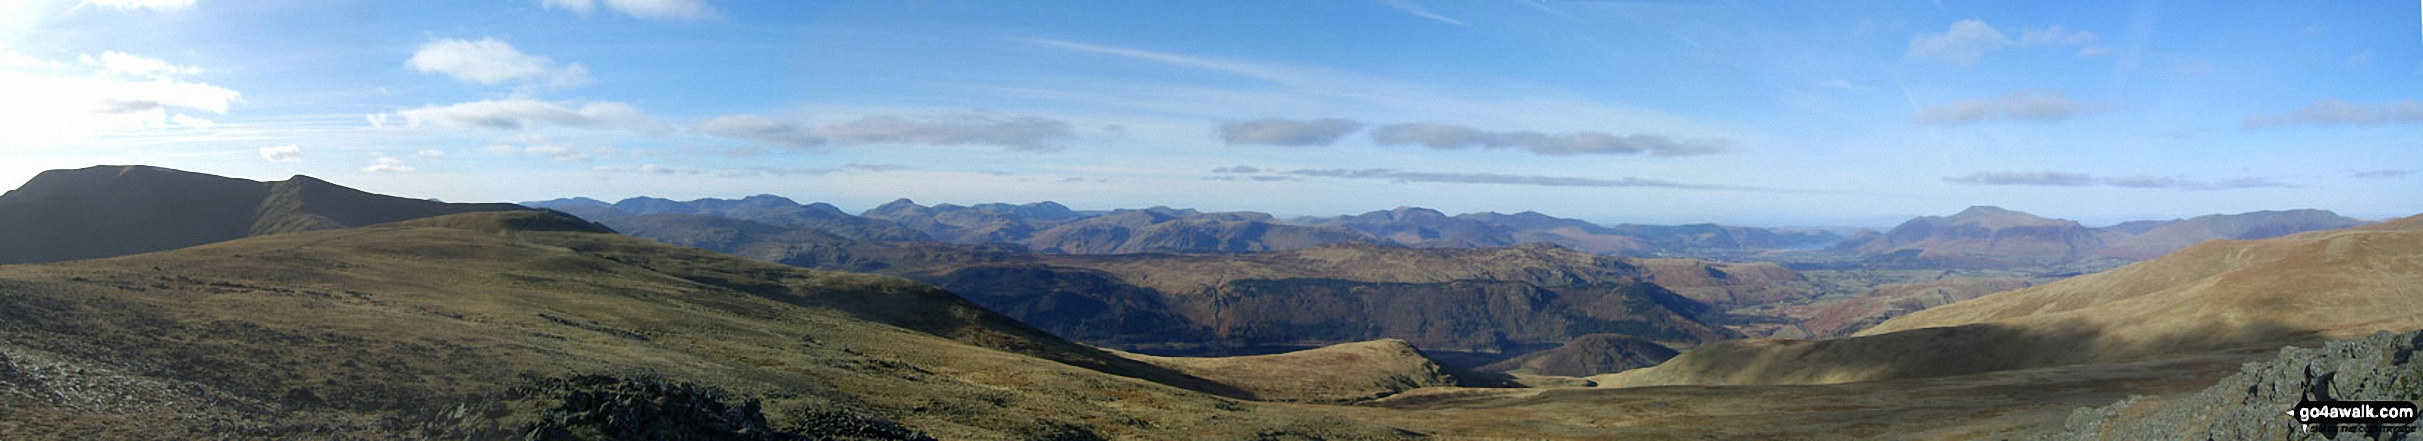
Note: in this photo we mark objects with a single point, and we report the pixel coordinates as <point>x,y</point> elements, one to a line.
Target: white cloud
<point>388,165</point>
<point>539,146</point>
<point>284,153</point>
<point>2024,105</point>
<point>1963,44</point>
<point>1275,131</point>
<point>54,103</point>
<point>430,153</point>
<point>642,9</point>
<point>1016,132</point>
<point>163,5</point>
<point>518,113</point>
<point>491,61</point>
<point>191,122</point>
<point>1968,40</point>
<point>1448,137</point>
<point>1396,176</point>
<point>130,65</point>
<point>2333,111</point>
<point>760,129</point>
<point>2058,36</point>
<point>2050,178</point>
<point>654,169</point>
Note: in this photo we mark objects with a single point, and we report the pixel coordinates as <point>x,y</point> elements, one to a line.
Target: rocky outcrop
<point>2249,405</point>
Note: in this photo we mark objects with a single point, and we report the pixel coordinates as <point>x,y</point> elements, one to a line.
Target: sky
<point>1819,113</point>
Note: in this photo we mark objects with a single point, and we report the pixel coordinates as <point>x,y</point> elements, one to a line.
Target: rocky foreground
<point>2249,405</point>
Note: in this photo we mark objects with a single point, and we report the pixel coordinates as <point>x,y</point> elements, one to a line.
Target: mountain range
<point>1054,228</point>
<point>1993,237</point>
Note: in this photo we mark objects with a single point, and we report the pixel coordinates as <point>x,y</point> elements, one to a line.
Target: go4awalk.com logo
<point>2372,417</point>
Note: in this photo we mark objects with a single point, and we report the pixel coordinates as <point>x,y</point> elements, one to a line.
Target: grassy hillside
<point>381,332</point>
<point>2213,298</point>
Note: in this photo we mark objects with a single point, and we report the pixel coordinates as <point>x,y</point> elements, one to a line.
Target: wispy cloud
<point>1300,86</point>
<point>162,5</point>
<point>1963,44</point>
<point>1398,176</point>
<point>387,164</point>
<point>2333,111</point>
<point>1034,133</point>
<point>743,172</point>
<point>1015,132</point>
<point>2066,179</point>
<point>1238,169</point>
<point>760,129</point>
<point>62,103</point>
<point>1288,132</point>
<point>2057,36</point>
<point>519,113</point>
<point>2042,178</point>
<point>1968,40</point>
<point>2027,105</point>
<point>284,153</point>
<point>1448,137</point>
<point>2382,174</point>
<point>641,9</point>
<point>1409,7</point>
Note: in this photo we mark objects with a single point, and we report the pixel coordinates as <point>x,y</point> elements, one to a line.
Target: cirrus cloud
<point>1452,137</point>
<point>1014,132</point>
<point>1399,176</point>
<point>518,113</point>
<point>2050,178</point>
<point>2027,105</point>
<point>2333,111</point>
<point>760,129</point>
<point>641,9</point>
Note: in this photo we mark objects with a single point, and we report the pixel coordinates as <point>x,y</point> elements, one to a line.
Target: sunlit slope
<point>351,331</point>
<point>2214,297</point>
<point>2343,283</point>
<point>1337,373</point>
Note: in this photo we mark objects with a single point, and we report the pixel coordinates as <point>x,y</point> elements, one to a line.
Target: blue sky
<point>1759,113</point>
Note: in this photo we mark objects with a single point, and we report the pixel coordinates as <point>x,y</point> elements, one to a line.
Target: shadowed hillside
<point>1586,356</point>
<point>107,211</point>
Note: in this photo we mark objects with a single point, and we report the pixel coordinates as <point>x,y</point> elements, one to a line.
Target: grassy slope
<point>2216,297</point>
<point>346,331</point>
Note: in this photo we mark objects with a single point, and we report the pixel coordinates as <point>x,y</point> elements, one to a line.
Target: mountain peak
<point>1984,210</point>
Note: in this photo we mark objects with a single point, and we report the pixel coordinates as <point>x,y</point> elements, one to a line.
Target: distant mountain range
<point>1054,228</point>
<point>106,211</point>
<point>1986,236</point>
